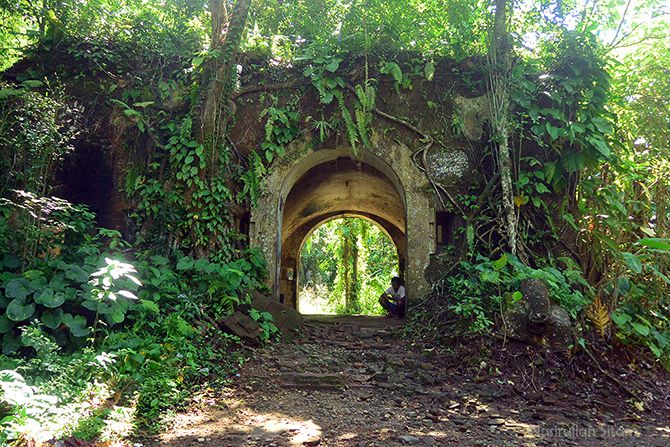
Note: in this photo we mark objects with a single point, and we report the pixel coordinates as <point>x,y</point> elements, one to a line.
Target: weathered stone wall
<point>391,186</point>
<point>454,115</point>
<point>392,160</point>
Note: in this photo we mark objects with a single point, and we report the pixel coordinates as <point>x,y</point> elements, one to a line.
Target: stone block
<point>287,319</point>
<point>241,325</point>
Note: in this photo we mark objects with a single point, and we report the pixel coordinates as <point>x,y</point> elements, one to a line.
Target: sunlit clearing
<point>301,431</point>
<point>275,428</point>
<point>345,265</point>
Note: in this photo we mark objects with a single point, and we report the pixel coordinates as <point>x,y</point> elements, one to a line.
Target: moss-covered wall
<point>423,134</point>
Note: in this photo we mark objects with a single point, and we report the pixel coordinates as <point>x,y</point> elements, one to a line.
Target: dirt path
<point>352,382</point>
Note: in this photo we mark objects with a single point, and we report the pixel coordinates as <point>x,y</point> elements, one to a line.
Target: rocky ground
<point>355,382</point>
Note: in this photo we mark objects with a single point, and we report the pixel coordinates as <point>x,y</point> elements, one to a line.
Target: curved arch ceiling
<point>342,186</point>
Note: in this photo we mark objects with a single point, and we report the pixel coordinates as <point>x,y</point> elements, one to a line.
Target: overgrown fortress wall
<point>425,135</point>
<point>393,181</point>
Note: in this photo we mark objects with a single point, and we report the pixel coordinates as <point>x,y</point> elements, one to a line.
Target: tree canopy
<point>573,189</point>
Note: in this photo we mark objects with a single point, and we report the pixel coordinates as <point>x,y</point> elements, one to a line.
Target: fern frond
<point>251,179</point>
<point>362,125</point>
<point>360,94</point>
<point>365,95</point>
<point>598,314</point>
<point>371,96</point>
<point>269,127</point>
<point>352,132</point>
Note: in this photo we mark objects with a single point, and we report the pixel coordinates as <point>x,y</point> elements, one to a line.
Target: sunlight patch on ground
<point>235,421</point>
<point>347,436</point>
<point>300,431</point>
<point>313,301</point>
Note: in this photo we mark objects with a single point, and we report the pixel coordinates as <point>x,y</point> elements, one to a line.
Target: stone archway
<point>308,187</point>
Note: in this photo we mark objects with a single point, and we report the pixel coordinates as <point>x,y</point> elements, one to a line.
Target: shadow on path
<point>351,381</point>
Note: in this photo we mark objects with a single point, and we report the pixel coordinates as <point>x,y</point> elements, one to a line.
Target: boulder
<point>538,321</point>
<point>287,319</point>
<point>561,334</point>
<point>471,114</point>
<point>241,325</point>
<point>536,295</point>
<point>448,166</point>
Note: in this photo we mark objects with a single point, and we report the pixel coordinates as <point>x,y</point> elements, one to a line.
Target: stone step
<point>312,381</point>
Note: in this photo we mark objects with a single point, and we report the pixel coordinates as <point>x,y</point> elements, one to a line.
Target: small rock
<point>407,439</point>
<point>201,439</point>
<point>496,421</point>
<point>380,377</point>
<point>312,441</point>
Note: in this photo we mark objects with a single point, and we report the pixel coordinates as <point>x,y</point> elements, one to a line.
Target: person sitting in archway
<point>393,300</point>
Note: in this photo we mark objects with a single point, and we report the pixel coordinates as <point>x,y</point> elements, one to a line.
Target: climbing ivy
<point>322,70</point>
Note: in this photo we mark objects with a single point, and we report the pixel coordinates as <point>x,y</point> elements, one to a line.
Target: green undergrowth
<point>112,339</point>
<point>477,292</point>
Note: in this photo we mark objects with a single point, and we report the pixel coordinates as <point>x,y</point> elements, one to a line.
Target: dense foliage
<point>133,323</point>
<point>345,266</point>
<point>80,314</point>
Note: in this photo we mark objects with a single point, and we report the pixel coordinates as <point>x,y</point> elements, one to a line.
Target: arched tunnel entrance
<point>338,188</point>
<point>344,265</point>
<point>309,187</point>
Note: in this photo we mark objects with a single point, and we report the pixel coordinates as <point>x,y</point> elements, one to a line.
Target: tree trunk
<point>499,60</point>
<point>346,266</point>
<point>353,236</point>
<point>213,116</point>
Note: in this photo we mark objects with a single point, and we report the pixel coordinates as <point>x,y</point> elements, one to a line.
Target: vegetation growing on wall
<point>575,152</point>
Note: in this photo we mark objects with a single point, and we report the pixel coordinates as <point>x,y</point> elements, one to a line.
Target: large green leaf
<point>76,324</point>
<point>18,288</point>
<point>20,310</point>
<point>602,125</point>
<point>10,261</point>
<point>620,318</point>
<point>76,273</point>
<point>96,306</point>
<point>116,316</point>
<point>500,263</point>
<point>10,343</point>
<point>49,298</point>
<point>600,145</point>
<point>623,284</point>
<point>6,324</point>
<point>655,242</point>
<point>573,161</point>
<point>632,261</point>
<point>552,130</point>
<point>58,282</point>
<point>52,318</point>
<point>185,263</point>
<point>655,350</point>
<point>641,329</point>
